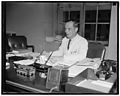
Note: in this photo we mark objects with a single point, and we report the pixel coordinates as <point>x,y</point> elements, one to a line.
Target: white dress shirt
<point>77,49</point>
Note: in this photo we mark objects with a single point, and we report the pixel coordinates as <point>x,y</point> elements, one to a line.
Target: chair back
<point>96,50</point>
<point>7,45</point>
<point>17,42</point>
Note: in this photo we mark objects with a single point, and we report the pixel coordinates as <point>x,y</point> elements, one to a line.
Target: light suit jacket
<point>77,50</point>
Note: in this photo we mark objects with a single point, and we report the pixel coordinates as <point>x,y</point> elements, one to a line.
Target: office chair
<point>96,50</point>
<point>19,43</point>
<point>7,45</point>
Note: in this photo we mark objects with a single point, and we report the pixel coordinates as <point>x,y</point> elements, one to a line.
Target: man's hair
<point>75,24</point>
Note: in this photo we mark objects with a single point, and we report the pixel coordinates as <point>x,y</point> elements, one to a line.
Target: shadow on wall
<point>53,43</point>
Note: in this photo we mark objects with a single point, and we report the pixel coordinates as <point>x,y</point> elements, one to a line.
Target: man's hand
<point>55,59</point>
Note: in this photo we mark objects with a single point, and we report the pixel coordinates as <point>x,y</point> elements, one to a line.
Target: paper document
<point>21,51</point>
<point>75,70</point>
<point>98,85</point>
<point>81,82</point>
<point>25,62</point>
<point>67,63</point>
<point>103,83</point>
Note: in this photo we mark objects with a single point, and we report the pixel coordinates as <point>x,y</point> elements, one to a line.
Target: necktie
<point>68,44</point>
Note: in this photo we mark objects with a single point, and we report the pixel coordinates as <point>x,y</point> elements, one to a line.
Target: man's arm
<point>58,52</point>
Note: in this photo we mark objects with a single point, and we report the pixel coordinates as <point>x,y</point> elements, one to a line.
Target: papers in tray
<point>90,63</point>
<point>25,62</point>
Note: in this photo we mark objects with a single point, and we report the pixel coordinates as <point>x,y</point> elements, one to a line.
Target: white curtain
<point>112,49</point>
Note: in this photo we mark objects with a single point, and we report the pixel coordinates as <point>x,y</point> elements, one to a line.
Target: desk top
<point>34,84</point>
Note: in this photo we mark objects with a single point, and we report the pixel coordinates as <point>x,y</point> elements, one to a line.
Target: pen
<point>38,56</point>
<point>48,58</point>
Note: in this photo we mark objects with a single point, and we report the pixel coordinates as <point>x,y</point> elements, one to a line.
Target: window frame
<point>97,23</point>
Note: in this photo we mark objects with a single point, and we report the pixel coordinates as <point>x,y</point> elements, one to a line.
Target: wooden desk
<point>37,84</point>
<point>33,85</point>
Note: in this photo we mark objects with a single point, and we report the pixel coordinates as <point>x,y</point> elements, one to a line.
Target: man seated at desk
<point>73,47</point>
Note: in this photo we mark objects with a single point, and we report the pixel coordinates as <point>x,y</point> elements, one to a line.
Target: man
<point>73,47</point>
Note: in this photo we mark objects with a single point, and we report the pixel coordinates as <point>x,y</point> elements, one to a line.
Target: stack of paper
<point>90,63</point>
<point>22,54</point>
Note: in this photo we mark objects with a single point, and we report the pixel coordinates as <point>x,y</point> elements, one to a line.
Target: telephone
<point>106,69</point>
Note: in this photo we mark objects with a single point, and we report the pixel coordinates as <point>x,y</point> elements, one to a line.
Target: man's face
<point>70,30</point>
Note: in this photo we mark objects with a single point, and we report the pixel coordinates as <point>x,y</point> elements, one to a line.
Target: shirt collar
<point>74,37</point>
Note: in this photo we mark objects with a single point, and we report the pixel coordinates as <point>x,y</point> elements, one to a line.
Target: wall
<point>34,20</point>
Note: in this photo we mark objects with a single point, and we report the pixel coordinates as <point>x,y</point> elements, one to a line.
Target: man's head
<point>71,29</point>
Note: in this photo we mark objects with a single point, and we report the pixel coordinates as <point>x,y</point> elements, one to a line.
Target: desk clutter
<point>89,71</point>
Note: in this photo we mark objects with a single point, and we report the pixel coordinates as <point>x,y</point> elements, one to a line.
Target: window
<point>97,23</point>
<point>94,20</point>
<point>71,15</point>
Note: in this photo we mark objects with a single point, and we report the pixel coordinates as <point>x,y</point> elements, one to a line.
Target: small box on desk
<point>25,70</point>
<point>57,78</point>
<point>87,82</point>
